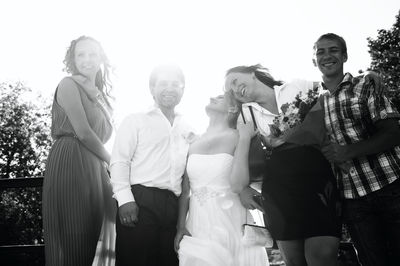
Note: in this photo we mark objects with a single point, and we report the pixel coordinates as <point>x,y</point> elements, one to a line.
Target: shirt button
<point>352,171</point>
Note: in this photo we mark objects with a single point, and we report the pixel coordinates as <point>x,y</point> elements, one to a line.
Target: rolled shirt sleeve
<point>121,158</point>
<point>379,106</point>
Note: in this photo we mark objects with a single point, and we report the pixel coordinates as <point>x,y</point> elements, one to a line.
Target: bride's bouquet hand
<point>246,130</point>
<point>251,199</point>
<point>180,233</point>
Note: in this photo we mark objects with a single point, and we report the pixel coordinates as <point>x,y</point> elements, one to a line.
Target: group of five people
<point>185,196</point>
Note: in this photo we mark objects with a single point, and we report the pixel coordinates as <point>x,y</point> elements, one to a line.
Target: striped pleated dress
<point>78,209</point>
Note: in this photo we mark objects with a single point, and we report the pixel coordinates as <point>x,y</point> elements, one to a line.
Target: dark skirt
<point>77,204</point>
<point>300,194</point>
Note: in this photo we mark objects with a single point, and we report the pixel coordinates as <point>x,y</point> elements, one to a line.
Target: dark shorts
<point>301,196</point>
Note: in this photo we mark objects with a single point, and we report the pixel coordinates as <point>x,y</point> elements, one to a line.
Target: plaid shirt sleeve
<point>379,105</point>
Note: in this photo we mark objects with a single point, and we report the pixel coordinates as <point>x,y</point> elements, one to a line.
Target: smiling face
<point>329,57</point>
<point>243,85</point>
<point>168,89</point>
<point>87,57</point>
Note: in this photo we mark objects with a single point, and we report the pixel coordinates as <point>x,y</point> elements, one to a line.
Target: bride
<point>217,170</point>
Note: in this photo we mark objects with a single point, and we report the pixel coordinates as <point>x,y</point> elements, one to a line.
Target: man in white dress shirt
<point>147,164</point>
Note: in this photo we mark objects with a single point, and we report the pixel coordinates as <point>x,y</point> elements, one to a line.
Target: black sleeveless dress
<point>300,194</point>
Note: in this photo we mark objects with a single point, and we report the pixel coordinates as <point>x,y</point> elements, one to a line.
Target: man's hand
<point>247,196</point>
<point>178,237</point>
<point>335,153</point>
<point>273,141</point>
<point>128,214</point>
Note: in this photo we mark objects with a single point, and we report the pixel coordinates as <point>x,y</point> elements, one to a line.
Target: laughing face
<point>243,86</point>
<point>329,57</point>
<point>87,58</point>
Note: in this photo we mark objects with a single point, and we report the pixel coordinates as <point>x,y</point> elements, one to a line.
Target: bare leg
<point>321,250</point>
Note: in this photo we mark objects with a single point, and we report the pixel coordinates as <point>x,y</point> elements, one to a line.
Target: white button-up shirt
<point>149,151</point>
<point>285,93</point>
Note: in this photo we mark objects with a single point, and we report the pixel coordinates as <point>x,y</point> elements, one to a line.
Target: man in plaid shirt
<point>363,128</point>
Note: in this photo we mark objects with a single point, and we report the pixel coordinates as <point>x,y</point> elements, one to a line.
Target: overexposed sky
<point>205,37</point>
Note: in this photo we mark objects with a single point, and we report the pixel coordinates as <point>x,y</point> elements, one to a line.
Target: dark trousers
<point>374,225</point>
<point>151,241</point>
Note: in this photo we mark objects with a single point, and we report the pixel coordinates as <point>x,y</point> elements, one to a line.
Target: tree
<point>24,132</point>
<point>24,145</point>
<point>385,55</point>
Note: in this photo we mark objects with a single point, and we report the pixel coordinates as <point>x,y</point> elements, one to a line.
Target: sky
<point>204,37</point>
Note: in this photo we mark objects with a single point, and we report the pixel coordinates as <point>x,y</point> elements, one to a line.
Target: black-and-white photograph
<point>200,133</point>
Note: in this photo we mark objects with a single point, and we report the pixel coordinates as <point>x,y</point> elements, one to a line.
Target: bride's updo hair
<point>233,108</point>
<point>261,73</point>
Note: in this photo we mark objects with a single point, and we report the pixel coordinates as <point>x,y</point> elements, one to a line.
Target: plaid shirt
<point>350,113</point>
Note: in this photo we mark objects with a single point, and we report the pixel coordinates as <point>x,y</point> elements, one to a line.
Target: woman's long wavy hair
<point>102,81</point>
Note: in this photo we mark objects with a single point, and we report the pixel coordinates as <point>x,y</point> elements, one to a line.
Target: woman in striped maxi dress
<point>78,209</point>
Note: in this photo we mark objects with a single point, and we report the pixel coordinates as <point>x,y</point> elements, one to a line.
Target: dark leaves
<point>24,145</point>
<point>385,59</point>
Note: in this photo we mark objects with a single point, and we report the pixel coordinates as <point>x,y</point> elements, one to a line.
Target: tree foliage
<point>24,132</point>
<point>24,145</point>
<point>385,55</point>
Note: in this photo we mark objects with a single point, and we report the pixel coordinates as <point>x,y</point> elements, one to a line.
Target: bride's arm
<point>183,209</point>
<point>240,169</point>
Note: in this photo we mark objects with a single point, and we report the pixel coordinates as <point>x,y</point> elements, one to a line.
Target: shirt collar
<point>348,78</point>
<point>258,108</point>
<point>154,109</point>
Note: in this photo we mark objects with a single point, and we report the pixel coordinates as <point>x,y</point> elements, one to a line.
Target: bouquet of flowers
<point>301,121</point>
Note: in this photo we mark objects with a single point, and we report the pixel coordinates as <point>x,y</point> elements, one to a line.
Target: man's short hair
<point>161,68</point>
<point>333,37</point>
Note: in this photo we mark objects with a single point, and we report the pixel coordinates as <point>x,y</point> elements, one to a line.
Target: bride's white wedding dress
<point>216,217</point>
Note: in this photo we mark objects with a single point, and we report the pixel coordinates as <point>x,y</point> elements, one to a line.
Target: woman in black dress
<point>299,189</point>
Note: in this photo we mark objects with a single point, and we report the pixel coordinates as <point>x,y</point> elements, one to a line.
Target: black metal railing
<point>34,254</point>
<point>21,182</point>
<point>21,254</point>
